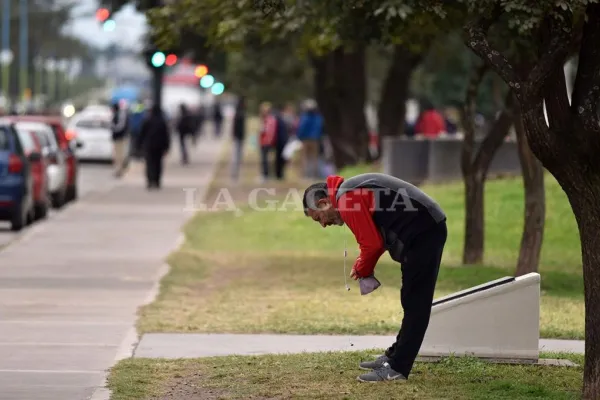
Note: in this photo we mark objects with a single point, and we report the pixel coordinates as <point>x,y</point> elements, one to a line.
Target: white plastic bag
<point>291,148</point>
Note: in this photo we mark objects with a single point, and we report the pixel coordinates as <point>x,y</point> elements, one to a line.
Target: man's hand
<point>354,275</point>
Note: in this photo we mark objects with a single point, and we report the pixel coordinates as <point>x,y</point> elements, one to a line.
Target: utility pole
<point>24,49</point>
<point>6,55</point>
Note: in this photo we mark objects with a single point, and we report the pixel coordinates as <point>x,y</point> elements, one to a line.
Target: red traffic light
<point>171,60</point>
<point>102,14</point>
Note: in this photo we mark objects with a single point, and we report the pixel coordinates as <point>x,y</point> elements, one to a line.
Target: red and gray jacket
<point>384,213</point>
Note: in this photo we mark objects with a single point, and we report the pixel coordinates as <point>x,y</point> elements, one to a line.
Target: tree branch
<point>467,116</point>
<point>495,137</point>
<point>475,33</point>
<point>586,90</point>
<point>556,37</point>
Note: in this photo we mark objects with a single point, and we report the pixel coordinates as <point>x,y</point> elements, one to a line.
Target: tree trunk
<point>475,166</point>
<point>326,96</point>
<point>583,191</point>
<point>567,145</point>
<point>474,220</point>
<point>391,112</point>
<point>352,74</point>
<point>535,205</point>
<point>340,85</point>
<point>473,180</point>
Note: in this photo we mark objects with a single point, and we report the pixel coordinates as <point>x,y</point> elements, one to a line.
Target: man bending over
<point>387,214</point>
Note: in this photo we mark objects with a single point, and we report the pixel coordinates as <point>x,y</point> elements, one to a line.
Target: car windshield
<point>4,138</point>
<point>93,123</point>
<point>26,140</point>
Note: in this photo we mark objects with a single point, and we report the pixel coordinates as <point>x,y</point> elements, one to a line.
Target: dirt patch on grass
<point>187,387</point>
<point>193,386</point>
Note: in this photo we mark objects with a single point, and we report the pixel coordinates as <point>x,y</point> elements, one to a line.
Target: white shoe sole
<point>366,369</point>
<point>393,380</point>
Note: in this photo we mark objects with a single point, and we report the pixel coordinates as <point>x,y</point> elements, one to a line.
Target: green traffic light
<point>158,59</point>
<point>109,25</point>
<point>218,89</point>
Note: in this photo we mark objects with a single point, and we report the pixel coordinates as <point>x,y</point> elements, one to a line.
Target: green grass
<point>277,271</point>
<point>331,376</point>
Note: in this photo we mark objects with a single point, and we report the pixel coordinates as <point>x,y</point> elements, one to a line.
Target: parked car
<point>93,130</point>
<point>68,144</point>
<point>57,164</point>
<point>16,181</point>
<point>32,147</point>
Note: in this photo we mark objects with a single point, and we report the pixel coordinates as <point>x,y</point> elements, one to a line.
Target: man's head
<point>318,206</point>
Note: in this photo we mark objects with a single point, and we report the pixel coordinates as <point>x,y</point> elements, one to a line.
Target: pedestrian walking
<point>239,135</point>
<point>138,113</point>
<point>218,119</point>
<point>199,127</point>
<point>388,214</point>
<point>273,138</point>
<point>154,143</point>
<point>185,129</point>
<point>310,132</point>
<point>120,125</point>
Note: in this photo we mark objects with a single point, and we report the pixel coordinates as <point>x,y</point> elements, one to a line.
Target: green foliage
<point>269,73</point>
<point>444,74</point>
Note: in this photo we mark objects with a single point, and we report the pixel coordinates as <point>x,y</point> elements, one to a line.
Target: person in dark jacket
<point>218,119</point>
<point>154,142</point>
<point>120,128</point>
<point>388,214</point>
<point>239,134</point>
<point>185,128</point>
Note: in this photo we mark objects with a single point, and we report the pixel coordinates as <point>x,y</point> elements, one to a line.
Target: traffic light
<point>218,89</point>
<point>104,16</point>
<point>158,59</point>
<point>109,25</point>
<point>171,60</point>
<point>200,71</point>
<point>207,81</point>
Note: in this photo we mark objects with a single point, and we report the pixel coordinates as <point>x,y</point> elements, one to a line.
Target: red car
<point>66,141</point>
<point>33,151</point>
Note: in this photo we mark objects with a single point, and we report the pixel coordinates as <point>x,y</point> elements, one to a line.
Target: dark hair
<point>313,194</point>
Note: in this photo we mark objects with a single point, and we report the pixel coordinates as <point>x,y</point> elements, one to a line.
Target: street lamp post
<point>24,49</point>
<point>50,68</point>
<point>6,55</point>
<point>62,67</point>
<point>38,63</point>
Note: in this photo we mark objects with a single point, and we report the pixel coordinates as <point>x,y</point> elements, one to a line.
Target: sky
<point>130,26</point>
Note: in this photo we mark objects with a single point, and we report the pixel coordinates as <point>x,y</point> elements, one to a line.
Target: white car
<point>93,131</point>
<point>56,169</point>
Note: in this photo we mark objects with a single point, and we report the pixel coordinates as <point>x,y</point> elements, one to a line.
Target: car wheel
<point>72,193</point>
<point>19,219</point>
<point>41,210</point>
<point>58,199</point>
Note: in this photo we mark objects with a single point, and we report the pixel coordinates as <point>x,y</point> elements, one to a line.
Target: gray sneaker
<point>377,363</point>
<point>383,373</point>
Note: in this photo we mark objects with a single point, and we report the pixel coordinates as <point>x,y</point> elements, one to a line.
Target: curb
<point>132,339</point>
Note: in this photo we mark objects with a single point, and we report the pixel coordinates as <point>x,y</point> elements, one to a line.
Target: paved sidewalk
<point>174,345</point>
<point>70,288</point>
